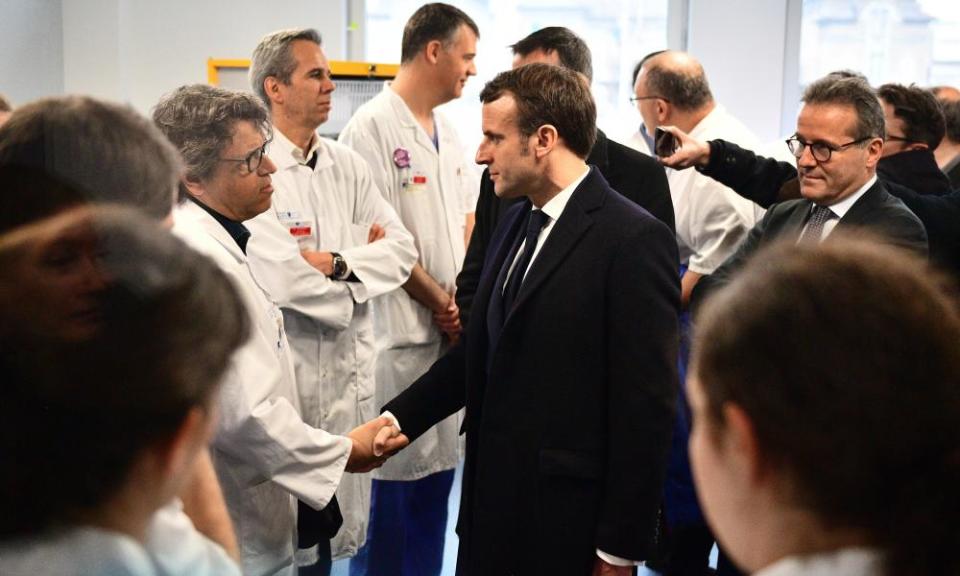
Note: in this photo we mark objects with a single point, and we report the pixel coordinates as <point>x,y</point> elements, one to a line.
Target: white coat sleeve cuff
<point>615,560</point>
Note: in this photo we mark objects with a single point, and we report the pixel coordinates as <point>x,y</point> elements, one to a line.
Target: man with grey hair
<point>838,143</point>
<point>266,456</point>
<point>57,153</point>
<point>328,247</point>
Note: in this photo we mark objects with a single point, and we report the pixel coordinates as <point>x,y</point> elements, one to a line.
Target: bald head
<point>677,78</point>
<point>946,93</point>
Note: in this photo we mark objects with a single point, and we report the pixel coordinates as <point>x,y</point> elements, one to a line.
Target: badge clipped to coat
<point>301,229</point>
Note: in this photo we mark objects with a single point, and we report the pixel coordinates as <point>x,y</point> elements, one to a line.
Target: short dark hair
<point>546,94</point>
<point>856,93</point>
<point>951,116</point>
<point>200,121</point>
<point>85,405</point>
<point>845,357</point>
<point>5,105</point>
<point>273,56</point>
<point>436,21</point>
<point>687,90</point>
<point>918,109</point>
<point>105,152</point>
<point>572,51</point>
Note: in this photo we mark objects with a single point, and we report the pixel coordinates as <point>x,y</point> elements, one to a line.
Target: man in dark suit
<point>636,176</point>
<point>568,370</point>
<point>838,143</point>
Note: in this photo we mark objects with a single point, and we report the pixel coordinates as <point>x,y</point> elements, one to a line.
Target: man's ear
<point>272,87</point>
<point>432,51</point>
<point>178,454</point>
<point>742,443</point>
<point>193,186</point>
<point>663,111</point>
<point>546,139</point>
<point>874,152</point>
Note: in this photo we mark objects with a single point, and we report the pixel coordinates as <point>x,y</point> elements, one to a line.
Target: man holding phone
<point>712,220</point>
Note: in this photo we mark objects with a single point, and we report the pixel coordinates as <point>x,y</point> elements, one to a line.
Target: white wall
<point>137,50</point>
<point>31,49</point>
<point>741,46</point>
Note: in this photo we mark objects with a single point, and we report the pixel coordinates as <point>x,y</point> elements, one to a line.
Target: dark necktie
<point>535,223</point>
<point>814,229</point>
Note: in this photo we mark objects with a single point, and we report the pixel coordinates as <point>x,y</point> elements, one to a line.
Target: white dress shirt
<point>839,210</point>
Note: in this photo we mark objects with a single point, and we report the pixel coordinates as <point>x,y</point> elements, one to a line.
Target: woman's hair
<point>77,408</point>
<point>846,358</point>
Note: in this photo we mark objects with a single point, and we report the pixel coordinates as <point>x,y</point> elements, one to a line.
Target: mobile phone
<point>664,143</point>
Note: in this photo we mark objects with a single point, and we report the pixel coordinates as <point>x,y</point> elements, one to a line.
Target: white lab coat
<point>331,209</point>
<point>432,192</point>
<point>266,457</point>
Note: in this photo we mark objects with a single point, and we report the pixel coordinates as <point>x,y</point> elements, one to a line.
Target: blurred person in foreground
<point>114,338</point>
<point>825,384</point>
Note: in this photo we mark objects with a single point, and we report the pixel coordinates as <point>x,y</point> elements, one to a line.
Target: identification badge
<point>300,229</point>
<point>415,182</point>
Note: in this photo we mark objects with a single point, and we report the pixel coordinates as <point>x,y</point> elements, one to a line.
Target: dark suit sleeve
<point>485,222</point>
<point>722,275</point>
<point>643,300</point>
<point>435,395</point>
<point>754,177</point>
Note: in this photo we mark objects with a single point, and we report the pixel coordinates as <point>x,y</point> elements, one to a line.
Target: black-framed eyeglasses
<point>252,160</point>
<point>821,151</point>
<point>635,99</point>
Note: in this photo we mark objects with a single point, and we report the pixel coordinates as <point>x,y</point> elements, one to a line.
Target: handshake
<point>373,443</point>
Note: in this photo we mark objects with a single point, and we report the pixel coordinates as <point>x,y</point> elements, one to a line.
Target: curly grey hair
<point>200,120</point>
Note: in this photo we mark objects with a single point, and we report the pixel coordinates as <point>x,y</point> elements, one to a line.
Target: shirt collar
<point>554,207</point>
<point>235,229</point>
<point>842,207</point>
<point>285,153</point>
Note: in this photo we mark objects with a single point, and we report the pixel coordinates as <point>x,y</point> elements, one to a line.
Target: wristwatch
<point>339,266</point>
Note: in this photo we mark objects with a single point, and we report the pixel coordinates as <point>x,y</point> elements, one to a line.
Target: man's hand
<point>689,152</point>
<point>389,441</point>
<point>448,319</point>
<point>601,568</point>
<point>376,233</point>
<point>322,261</point>
<point>363,457</point>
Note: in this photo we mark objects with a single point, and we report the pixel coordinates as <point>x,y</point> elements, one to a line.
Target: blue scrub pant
<point>408,523</point>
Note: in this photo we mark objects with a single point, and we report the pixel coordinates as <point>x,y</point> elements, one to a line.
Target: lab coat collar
<point>190,216</point>
<point>406,118</point>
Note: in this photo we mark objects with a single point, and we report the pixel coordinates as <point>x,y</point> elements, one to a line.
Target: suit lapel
<point>861,213</point>
<point>572,224</point>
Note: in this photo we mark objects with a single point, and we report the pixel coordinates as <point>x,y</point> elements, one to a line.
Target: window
<point>900,41</point>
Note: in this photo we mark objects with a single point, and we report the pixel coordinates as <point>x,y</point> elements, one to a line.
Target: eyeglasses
<point>821,151</point>
<point>252,160</point>
<point>635,99</point>
<point>890,138</point>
